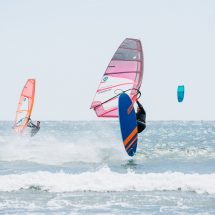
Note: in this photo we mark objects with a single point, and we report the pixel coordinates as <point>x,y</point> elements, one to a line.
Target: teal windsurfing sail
<point>180,93</point>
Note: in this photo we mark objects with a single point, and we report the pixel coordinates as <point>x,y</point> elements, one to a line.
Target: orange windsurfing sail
<point>25,106</point>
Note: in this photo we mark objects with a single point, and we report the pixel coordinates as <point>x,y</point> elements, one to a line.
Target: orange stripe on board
<point>130,136</point>
<point>130,109</point>
<point>131,143</point>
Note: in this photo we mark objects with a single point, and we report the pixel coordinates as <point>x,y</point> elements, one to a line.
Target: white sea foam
<point>104,180</point>
<point>50,150</point>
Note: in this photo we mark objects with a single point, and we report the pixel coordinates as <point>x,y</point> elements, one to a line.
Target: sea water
<point>81,167</point>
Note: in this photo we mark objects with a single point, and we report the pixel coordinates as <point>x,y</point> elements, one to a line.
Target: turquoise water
<point>82,168</point>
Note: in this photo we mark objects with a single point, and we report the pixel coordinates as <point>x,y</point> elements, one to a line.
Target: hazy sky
<point>66,45</point>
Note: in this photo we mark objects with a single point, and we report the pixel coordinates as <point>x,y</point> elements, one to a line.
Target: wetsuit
<point>141,118</point>
<point>34,129</point>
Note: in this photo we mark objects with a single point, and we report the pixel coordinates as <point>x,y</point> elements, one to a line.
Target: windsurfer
<point>141,117</point>
<point>35,128</point>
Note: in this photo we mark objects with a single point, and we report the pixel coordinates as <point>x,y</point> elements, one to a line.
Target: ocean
<point>81,167</point>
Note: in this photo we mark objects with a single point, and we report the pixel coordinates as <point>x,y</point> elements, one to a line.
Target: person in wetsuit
<point>141,117</point>
<point>34,128</point>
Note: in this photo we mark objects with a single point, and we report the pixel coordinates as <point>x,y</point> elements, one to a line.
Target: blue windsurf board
<point>128,124</point>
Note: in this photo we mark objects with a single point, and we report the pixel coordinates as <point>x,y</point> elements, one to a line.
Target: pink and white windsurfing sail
<point>123,74</point>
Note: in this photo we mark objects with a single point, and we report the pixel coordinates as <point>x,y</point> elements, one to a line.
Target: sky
<point>66,46</point>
